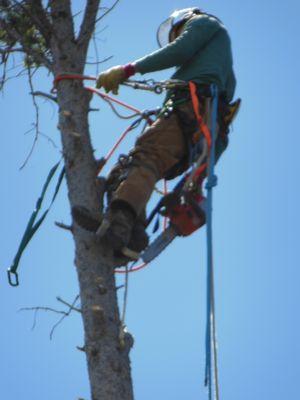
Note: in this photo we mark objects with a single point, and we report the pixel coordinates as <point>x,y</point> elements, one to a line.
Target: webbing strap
<point>34,225</point>
<point>211,369</point>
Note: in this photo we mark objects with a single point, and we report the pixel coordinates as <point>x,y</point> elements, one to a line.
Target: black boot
<point>117,225</point>
<point>119,228</point>
<point>139,238</point>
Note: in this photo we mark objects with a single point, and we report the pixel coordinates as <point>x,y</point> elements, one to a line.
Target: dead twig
<point>65,314</point>
<point>64,226</point>
<point>46,95</point>
<point>71,306</point>
<point>108,10</point>
<point>37,120</point>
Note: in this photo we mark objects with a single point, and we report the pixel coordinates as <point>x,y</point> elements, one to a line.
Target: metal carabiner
<point>158,89</point>
<point>13,282</point>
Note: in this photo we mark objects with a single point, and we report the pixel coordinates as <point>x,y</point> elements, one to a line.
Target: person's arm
<point>196,34</point>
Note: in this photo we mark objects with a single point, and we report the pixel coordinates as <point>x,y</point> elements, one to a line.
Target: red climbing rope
<point>104,96</point>
<point>113,100</point>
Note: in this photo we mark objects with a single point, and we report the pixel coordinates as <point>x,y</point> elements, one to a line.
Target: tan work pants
<point>161,147</point>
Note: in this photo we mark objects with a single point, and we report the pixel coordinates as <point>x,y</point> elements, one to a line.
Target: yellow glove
<point>111,79</point>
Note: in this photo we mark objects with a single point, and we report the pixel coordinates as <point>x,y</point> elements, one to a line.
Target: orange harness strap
<point>196,105</point>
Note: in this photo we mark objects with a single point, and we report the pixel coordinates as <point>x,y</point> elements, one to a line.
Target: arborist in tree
<point>198,45</point>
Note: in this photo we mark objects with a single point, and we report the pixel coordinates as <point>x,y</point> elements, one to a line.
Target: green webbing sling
<point>34,225</point>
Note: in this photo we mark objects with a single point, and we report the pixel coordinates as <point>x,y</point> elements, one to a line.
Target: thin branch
<point>5,78</point>
<point>108,11</point>
<point>46,95</point>
<point>37,309</point>
<point>96,53</point>
<point>7,50</point>
<point>37,121</point>
<point>65,314</point>
<point>48,138</point>
<point>98,32</point>
<point>71,306</point>
<point>64,226</point>
<point>99,62</point>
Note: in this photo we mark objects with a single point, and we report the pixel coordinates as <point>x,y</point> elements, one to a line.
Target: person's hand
<point>111,79</point>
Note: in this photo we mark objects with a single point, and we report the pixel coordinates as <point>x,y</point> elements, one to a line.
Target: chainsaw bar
<point>159,245</point>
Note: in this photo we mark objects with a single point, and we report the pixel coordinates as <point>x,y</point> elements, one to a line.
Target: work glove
<point>111,79</point>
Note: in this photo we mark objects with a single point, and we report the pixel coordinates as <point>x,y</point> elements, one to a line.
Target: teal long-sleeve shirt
<point>201,53</point>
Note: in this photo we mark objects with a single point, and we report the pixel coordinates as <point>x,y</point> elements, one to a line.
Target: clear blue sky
<point>256,225</point>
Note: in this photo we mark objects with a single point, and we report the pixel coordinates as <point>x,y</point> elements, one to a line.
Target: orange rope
<point>112,99</point>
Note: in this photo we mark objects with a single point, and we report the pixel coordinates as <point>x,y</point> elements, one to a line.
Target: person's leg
<point>156,151</point>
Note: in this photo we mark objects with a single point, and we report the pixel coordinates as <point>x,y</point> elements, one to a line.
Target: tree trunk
<point>107,357</point>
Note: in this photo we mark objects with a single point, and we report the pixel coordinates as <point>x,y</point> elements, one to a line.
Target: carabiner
<point>13,282</point>
<point>158,89</point>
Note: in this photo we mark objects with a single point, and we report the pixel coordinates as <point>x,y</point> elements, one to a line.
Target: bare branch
<point>99,62</point>
<point>6,71</point>
<point>48,138</point>
<point>7,50</point>
<point>37,121</point>
<point>37,309</point>
<point>108,10</point>
<point>71,306</point>
<point>65,314</point>
<point>96,53</point>
<point>46,95</point>
<point>64,226</point>
<point>88,23</point>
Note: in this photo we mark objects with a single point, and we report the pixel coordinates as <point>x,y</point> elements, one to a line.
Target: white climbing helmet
<point>176,18</point>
